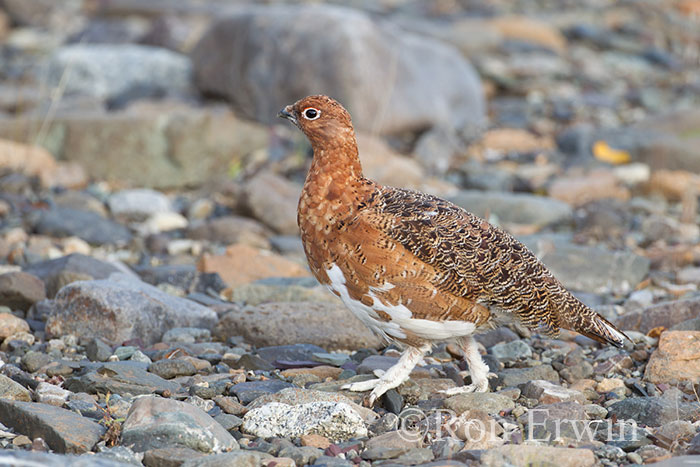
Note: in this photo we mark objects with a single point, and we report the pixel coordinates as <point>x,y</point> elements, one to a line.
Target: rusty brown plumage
<point>400,248</point>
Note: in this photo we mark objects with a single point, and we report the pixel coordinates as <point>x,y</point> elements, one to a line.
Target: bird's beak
<point>288,113</point>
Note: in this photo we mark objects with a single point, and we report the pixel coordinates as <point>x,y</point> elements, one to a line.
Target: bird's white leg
<point>393,377</point>
<point>478,370</point>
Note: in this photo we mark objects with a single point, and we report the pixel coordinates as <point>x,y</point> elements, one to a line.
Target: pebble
<point>251,390</point>
<point>169,369</point>
<point>511,351</point>
<point>11,325</point>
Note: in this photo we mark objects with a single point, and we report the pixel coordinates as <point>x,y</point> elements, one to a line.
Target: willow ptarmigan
<point>414,268</point>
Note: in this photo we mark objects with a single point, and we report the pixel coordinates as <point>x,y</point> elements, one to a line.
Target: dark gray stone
<point>120,378</point>
<point>251,390</point>
<point>98,350</point>
<point>75,263</point>
<point>91,227</point>
<point>33,360</point>
<point>123,308</point>
<point>654,411</point>
<point>169,369</point>
<point>64,431</point>
<point>293,352</point>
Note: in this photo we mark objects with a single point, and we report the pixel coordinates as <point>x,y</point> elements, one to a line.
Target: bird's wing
<point>470,258</point>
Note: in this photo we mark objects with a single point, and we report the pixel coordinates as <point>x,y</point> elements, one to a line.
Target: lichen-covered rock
<point>335,421</point>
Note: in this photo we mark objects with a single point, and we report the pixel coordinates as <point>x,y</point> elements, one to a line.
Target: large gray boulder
<point>118,73</point>
<point>391,80</point>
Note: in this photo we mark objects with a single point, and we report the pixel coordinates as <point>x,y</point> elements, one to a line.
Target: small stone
<point>169,369</point>
<point>11,324</point>
<point>549,393</point>
<point>524,454</point>
<point>388,446</point>
<point>155,422</point>
<point>186,335</point>
<point>91,227</point>
<point>10,389</point>
<point>228,421</point>
<point>170,456</point>
<point>243,264</point>
<point>19,290</point>
<point>251,390</point>
<point>230,405</point>
<point>517,376</point>
<point>33,361</point>
<point>234,458</point>
<point>316,441</point>
<point>486,401</point>
<point>608,384</point>
<point>675,431</point>
<point>51,394</point>
<point>416,456</point>
<point>511,351</point>
<point>138,204</point>
<point>249,362</point>
<point>336,421</point>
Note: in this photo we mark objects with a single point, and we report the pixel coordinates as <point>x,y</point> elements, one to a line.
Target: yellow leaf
<point>603,152</point>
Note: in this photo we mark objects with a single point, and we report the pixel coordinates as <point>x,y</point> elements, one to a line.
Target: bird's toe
<point>361,386</point>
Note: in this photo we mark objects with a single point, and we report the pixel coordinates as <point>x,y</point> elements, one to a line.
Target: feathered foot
<point>392,378</point>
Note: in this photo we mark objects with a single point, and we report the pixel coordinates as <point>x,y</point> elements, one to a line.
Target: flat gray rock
<point>514,208</point>
<point>123,308</point>
<point>120,378</point>
<point>279,323</point>
<point>64,431</point>
<point>91,227</point>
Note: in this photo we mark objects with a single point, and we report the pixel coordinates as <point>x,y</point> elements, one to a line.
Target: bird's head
<point>322,119</point>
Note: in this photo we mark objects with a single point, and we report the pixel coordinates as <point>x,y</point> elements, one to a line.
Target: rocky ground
<point>157,309</point>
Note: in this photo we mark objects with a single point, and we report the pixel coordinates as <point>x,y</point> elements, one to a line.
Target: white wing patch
<point>402,320</point>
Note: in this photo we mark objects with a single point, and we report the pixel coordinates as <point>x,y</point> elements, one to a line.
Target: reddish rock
<point>676,359</point>
<point>243,264</point>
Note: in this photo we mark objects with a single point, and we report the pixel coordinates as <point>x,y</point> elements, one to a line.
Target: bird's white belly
<point>401,318</point>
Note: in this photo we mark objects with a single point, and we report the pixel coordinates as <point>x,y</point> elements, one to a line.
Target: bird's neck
<point>335,163</point>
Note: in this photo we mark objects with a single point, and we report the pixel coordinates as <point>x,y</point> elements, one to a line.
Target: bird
<point>416,269</point>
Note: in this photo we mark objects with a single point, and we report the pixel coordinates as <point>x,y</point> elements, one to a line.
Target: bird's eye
<point>311,113</point>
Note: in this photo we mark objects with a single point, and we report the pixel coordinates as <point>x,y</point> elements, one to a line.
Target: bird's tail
<point>576,316</point>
